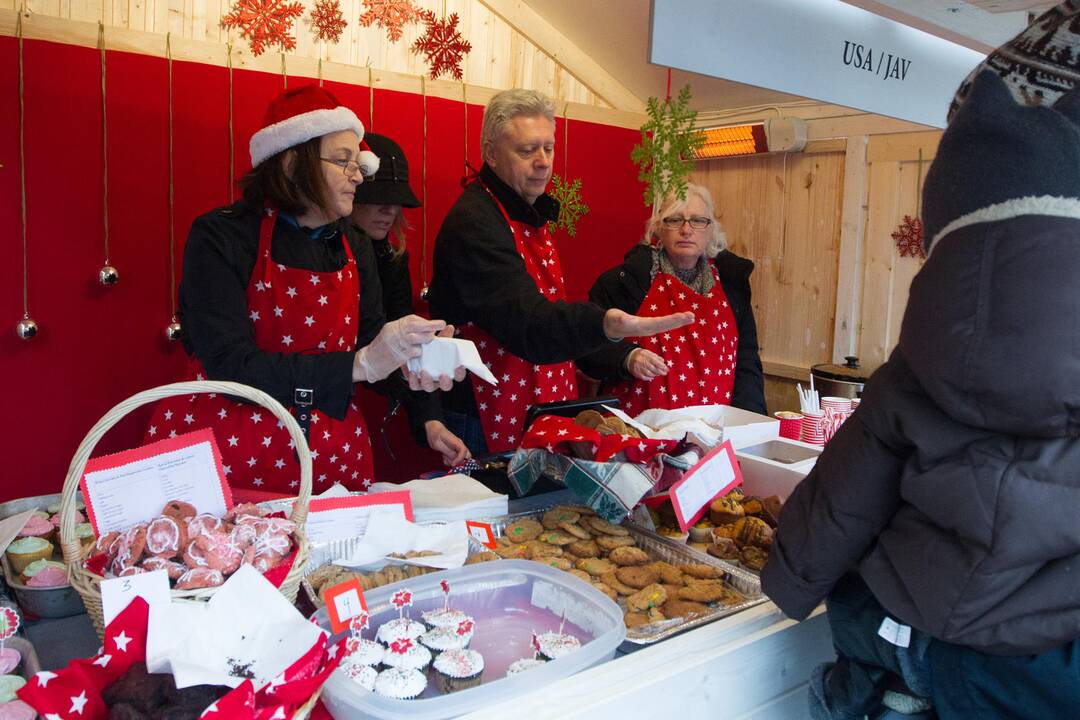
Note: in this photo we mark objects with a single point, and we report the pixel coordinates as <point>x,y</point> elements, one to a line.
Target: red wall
<point>98,346</point>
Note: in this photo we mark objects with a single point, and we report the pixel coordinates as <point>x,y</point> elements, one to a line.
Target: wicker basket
<point>87,583</point>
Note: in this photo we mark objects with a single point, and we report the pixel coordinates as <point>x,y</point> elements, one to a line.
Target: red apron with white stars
<point>293,311</point>
<point>700,357</point>
<point>521,384</point>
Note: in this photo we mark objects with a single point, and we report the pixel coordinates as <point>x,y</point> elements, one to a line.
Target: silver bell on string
<point>173,330</point>
<point>424,292</point>
<point>26,329</point>
<point>108,275</point>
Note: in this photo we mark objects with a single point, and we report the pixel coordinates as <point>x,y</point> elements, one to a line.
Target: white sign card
<point>825,50</point>
<point>133,486</point>
<point>716,474</point>
<point>117,593</point>
<point>339,518</point>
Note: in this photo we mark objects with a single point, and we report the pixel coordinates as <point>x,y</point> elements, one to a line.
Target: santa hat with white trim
<point>298,115</point>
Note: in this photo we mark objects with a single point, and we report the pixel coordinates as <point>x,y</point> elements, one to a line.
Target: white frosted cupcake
<point>445,638</point>
<point>443,617</point>
<point>400,684</point>
<point>554,645</point>
<point>458,670</point>
<point>407,655</point>
<point>362,675</point>
<point>519,666</point>
<point>364,652</point>
<point>399,628</point>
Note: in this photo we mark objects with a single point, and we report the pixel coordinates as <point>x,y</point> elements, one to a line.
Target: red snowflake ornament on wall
<point>442,45</point>
<point>393,15</point>
<point>909,238</point>
<point>328,20</point>
<point>264,23</point>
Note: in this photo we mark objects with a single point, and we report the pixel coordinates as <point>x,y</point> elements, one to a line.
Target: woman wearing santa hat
<point>279,293</point>
<point>682,264</point>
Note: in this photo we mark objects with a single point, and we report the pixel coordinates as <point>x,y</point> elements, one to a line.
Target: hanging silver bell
<point>424,292</point>
<point>174,330</point>
<point>27,328</point>
<point>108,275</point>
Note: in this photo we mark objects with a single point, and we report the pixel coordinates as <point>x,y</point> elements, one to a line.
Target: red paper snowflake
<point>401,646</point>
<point>393,15</point>
<point>442,45</point>
<point>264,22</point>
<point>328,21</point>
<point>401,599</point>
<point>909,238</point>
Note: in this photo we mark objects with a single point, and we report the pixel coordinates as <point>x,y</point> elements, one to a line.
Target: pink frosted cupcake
<point>38,527</point>
<point>17,710</point>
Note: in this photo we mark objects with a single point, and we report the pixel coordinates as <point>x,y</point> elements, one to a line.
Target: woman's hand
<point>645,365</point>
<point>424,381</point>
<point>397,341</point>
<point>619,324</point>
<point>449,445</point>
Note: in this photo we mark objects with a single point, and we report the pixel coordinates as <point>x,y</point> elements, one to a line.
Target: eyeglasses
<point>675,222</point>
<point>349,167</point>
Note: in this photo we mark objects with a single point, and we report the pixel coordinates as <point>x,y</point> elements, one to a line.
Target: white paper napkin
<point>442,356</point>
<point>388,533</point>
<point>704,423</point>
<point>247,624</point>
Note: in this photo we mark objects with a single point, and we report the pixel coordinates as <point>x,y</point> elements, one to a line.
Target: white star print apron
<point>292,311</point>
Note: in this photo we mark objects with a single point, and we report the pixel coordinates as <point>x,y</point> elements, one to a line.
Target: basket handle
<point>69,543</point>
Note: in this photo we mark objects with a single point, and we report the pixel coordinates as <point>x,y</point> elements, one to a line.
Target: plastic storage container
<point>508,600</point>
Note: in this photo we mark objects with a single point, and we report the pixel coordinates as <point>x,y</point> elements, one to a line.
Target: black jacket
<point>394,276</point>
<point>954,488</point>
<point>480,278</point>
<point>218,261</point>
<point>625,287</point>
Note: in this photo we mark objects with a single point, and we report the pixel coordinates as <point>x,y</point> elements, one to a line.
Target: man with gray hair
<point>497,276</point>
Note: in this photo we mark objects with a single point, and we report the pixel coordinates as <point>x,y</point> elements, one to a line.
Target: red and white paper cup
<point>812,430</point>
<point>836,404</point>
<point>790,424</point>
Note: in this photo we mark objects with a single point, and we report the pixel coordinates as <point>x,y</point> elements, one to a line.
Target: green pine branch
<point>665,157</point>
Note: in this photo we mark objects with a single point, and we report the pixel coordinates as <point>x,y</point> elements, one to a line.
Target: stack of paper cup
<point>812,431</point>
<point>836,404</point>
<point>790,424</point>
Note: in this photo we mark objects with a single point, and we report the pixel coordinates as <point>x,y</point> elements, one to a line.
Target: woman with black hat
<point>377,212</point>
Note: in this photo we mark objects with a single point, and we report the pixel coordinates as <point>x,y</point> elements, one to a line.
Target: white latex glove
<point>645,364</point>
<point>425,382</point>
<point>446,443</point>
<point>619,324</point>
<point>398,341</point>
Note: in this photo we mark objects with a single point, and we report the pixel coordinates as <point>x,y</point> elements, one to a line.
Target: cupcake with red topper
<point>444,616</point>
<point>458,670</point>
<point>359,650</point>
<point>524,664</point>
<point>400,684</point>
<point>407,654</point>
<point>554,645</point>
<point>403,627</point>
<point>447,637</point>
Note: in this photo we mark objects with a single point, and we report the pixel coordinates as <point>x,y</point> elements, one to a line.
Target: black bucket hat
<point>390,185</point>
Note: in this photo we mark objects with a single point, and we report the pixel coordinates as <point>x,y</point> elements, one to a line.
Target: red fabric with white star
<point>700,357</point>
<point>75,691</point>
<point>293,311</point>
<point>521,384</point>
<point>554,434</point>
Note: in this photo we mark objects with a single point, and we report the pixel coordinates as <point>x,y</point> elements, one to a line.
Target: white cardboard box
<point>744,428</point>
<point>775,466</point>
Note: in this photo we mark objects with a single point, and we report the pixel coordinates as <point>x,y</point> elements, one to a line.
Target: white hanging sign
<point>825,50</point>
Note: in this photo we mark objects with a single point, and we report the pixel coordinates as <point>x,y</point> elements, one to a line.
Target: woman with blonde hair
<point>682,263</point>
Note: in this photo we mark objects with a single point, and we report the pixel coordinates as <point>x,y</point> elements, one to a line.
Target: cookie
<point>535,549</point>
<point>612,580</point>
<point>703,591</point>
<point>635,619</point>
<point>603,526</point>
<point>523,530</point>
<point>637,577</point>
<point>584,549</point>
<point>674,608</point>
<point>556,538</point>
<point>581,575</point>
<point>588,419</point>
<point>482,557</point>
<point>668,572</point>
<point>628,556</point>
<point>753,557</point>
<point>702,571</point>
<point>602,587</point>
<point>595,566</point>
<point>650,596</point>
<point>577,531</point>
<point>554,517</point>
<point>582,510</point>
<point>512,551</point>
<point>559,563</point>
<point>610,542</point>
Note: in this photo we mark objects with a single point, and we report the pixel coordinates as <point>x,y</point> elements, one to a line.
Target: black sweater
<point>480,277</point>
<point>218,261</point>
<point>625,287</point>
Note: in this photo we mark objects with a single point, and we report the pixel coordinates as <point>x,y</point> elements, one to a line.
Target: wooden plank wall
<point>501,57</point>
<point>783,211</point>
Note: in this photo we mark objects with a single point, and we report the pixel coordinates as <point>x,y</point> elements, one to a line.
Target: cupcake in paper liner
<point>449,637</point>
<point>399,628</point>
<point>458,670</point>
<point>44,574</point>
<point>400,683</point>
<point>26,550</point>
<point>407,654</point>
<point>9,685</point>
<point>523,665</point>
<point>363,652</point>
<point>362,675</point>
<point>443,617</point>
<point>554,645</point>
<point>38,528</point>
